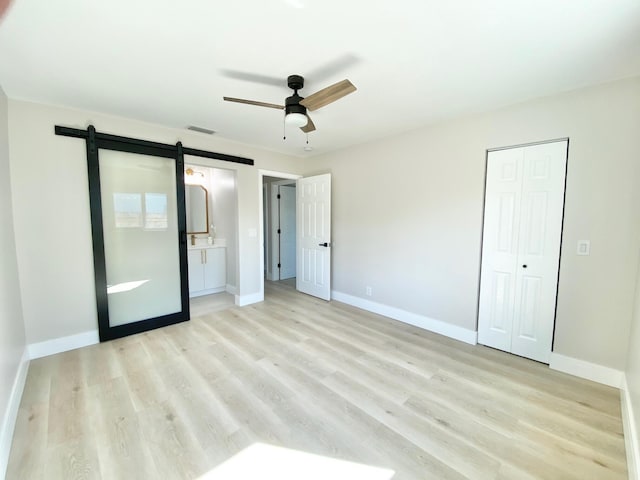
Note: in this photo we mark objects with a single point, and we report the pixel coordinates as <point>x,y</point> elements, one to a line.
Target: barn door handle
<point>325,244</point>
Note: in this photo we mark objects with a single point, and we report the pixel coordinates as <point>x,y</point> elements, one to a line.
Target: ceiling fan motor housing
<point>292,105</point>
<point>295,82</point>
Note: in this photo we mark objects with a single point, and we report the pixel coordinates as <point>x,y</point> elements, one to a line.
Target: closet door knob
<point>524,266</point>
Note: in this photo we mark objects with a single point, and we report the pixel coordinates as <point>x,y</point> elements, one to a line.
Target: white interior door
<point>314,236</point>
<point>521,248</point>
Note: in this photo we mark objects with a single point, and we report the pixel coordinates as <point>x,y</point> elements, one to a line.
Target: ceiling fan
<point>295,106</point>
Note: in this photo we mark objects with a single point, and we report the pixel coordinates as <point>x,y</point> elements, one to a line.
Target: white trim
<point>242,300</point>
<point>632,446</point>
<point>530,144</point>
<point>208,291</point>
<point>272,227</point>
<point>272,277</point>
<point>231,289</point>
<point>583,369</point>
<point>11,414</point>
<point>63,344</point>
<point>426,323</point>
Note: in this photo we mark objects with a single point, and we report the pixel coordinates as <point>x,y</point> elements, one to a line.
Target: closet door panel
<point>544,168</point>
<point>500,248</point>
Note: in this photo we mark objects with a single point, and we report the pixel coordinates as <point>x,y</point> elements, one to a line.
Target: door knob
<point>524,266</point>
<point>325,244</point>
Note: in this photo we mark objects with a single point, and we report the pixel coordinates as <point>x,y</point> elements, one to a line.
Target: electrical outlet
<point>369,291</point>
<point>584,247</point>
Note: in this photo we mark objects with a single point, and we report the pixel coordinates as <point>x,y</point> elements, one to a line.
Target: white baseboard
<point>11,414</point>
<point>631,444</point>
<point>242,300</point>
<point>271,276</point>
<point>63,344</point>
<point>426,323</point>
<point>208,291</point>
<point>583,369</point>
<point>232,289</point>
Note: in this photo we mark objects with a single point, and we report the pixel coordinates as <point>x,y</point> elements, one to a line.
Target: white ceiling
<point>414,62</point>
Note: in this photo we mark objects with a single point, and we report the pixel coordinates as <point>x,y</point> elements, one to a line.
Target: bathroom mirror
<point>197,205</point>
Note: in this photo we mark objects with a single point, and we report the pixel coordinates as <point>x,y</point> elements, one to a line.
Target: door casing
<point>261,226</point>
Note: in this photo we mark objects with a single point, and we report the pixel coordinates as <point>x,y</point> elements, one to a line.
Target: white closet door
<point>500,248</point>
<point>543,182</point>
<point>521,248</point>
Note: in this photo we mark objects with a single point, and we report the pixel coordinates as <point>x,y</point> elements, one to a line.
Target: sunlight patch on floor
<point>268,462</point>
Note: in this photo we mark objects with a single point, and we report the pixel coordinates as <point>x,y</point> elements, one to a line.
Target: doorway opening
<point>212,237</point>
<point>280,230</point>
<point>278,215</point>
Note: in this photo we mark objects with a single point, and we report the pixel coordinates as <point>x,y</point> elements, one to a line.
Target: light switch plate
<point>584,247</point>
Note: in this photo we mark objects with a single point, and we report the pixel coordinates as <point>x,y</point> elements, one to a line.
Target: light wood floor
<point>206,304</point>
<point>313,376</point>
<point>289,281</point>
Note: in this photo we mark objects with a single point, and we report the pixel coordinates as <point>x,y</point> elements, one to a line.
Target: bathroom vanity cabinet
<point>207,270</point>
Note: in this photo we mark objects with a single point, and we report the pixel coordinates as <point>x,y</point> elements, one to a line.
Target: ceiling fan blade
<point>253,102</point>
<point>333,67</point>
<point>309,127</point>
<point>328,95</point>
<point>254,77</point>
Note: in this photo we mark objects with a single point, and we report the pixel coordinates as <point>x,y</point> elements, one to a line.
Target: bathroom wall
<point>223,215</point>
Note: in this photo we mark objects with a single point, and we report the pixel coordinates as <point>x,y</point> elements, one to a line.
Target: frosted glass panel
<point>140,225</point>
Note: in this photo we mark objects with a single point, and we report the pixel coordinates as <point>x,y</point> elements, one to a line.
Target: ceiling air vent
<point>200,130</point>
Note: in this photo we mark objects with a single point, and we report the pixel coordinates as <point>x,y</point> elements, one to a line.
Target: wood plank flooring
<point>314,376</point>
<point>215,302</point>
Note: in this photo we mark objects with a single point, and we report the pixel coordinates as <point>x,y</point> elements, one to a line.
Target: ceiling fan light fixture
<point>295,114</point>
<point>296,119</point>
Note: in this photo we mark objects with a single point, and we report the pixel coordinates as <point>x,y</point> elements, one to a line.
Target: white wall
<point>407,215</point>
<point>224,215</point>
<point>51,210</point>
<point>632,375</point>
<point>12,336</point>
<point>633,380</point>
